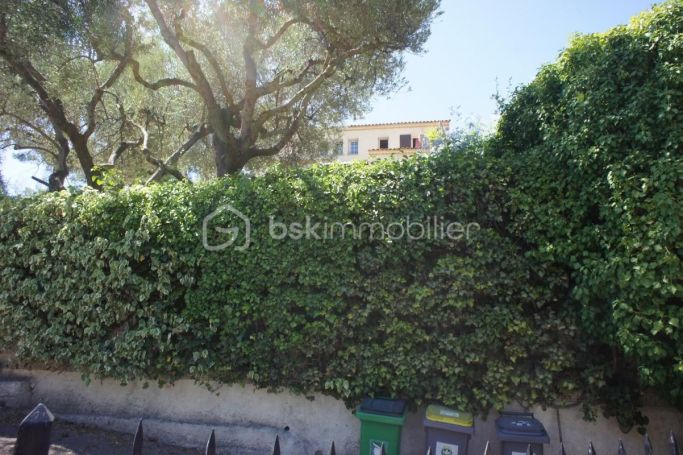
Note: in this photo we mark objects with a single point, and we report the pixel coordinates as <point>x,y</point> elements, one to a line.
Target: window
<point>353,147</point>
<point>339,148</point>
<point>405,141</point>
<point>384,143</point>
<point>416,143</point>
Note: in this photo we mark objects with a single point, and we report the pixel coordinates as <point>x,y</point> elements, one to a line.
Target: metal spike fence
<point>672,447</point>
<point>33,438</point>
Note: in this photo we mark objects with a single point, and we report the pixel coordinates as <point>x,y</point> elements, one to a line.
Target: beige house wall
<point>369,135</point>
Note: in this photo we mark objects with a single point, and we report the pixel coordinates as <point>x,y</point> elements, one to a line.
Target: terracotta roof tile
<point>397,123</point>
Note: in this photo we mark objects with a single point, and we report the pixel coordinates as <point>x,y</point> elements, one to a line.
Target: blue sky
<point>475,43</point>
<point>476,48</point>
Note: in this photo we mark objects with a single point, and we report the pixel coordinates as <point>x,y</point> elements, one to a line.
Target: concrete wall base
<point>15,392</point>
<point>247,439</point>
<point>248,419</point>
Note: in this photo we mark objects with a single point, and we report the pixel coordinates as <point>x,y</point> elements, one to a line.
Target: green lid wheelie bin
<point>381,422</point>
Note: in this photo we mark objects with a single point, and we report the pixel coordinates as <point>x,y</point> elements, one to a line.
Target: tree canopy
<point>144,90</point>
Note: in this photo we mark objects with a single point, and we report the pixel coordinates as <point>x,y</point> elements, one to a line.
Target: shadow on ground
<point>76,439</point>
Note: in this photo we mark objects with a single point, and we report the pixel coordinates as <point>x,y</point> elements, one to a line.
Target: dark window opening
<point>405,141</point>
<point>353,147</point>
<point>384,143</point>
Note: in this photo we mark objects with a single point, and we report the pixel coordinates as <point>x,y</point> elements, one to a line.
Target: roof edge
<point>417,122</point>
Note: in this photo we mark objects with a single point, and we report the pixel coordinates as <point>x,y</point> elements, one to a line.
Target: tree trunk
<point>229,160</point>
<point>85,159</point>
<point>56,181</point>
<point>61,171</point>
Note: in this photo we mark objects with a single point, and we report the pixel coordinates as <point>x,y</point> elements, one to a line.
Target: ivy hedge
<point>595,145</point>
<point>568,290</point>
<point>120,284</point>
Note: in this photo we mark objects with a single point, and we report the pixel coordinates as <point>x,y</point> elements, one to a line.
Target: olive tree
<point>266,69</point>
<point>157,90</point>
<point>56,73</point>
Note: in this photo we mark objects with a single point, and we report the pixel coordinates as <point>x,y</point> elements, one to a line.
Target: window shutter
<point>405,141</point>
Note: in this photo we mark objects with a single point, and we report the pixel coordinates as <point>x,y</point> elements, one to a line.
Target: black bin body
<point>448,431</point>
<point>516,430</point>
<point>442,433</point>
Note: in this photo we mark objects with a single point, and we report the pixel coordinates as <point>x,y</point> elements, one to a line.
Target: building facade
<point>385,140</point>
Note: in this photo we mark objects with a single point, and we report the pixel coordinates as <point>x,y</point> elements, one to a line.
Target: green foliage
<point>118,284</point>
<point>595,144</point>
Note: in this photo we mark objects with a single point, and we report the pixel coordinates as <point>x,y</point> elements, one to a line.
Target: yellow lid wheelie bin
<point>448,431</point>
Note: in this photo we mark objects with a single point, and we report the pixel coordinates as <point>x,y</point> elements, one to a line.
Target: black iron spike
<point>486,448</point>
<point>620,449</point>
<point>647,444</point>
<point>211,444</point>
<point>591,449</point>
<point>529,450</point>
<point>429,450</point>
<point>382,450</point>
<point>33,436</point>
<point>673,444</point>
<point>332,450</point>
<point>562,451</point>
<point>276,449</point>
<point>137,441</point>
